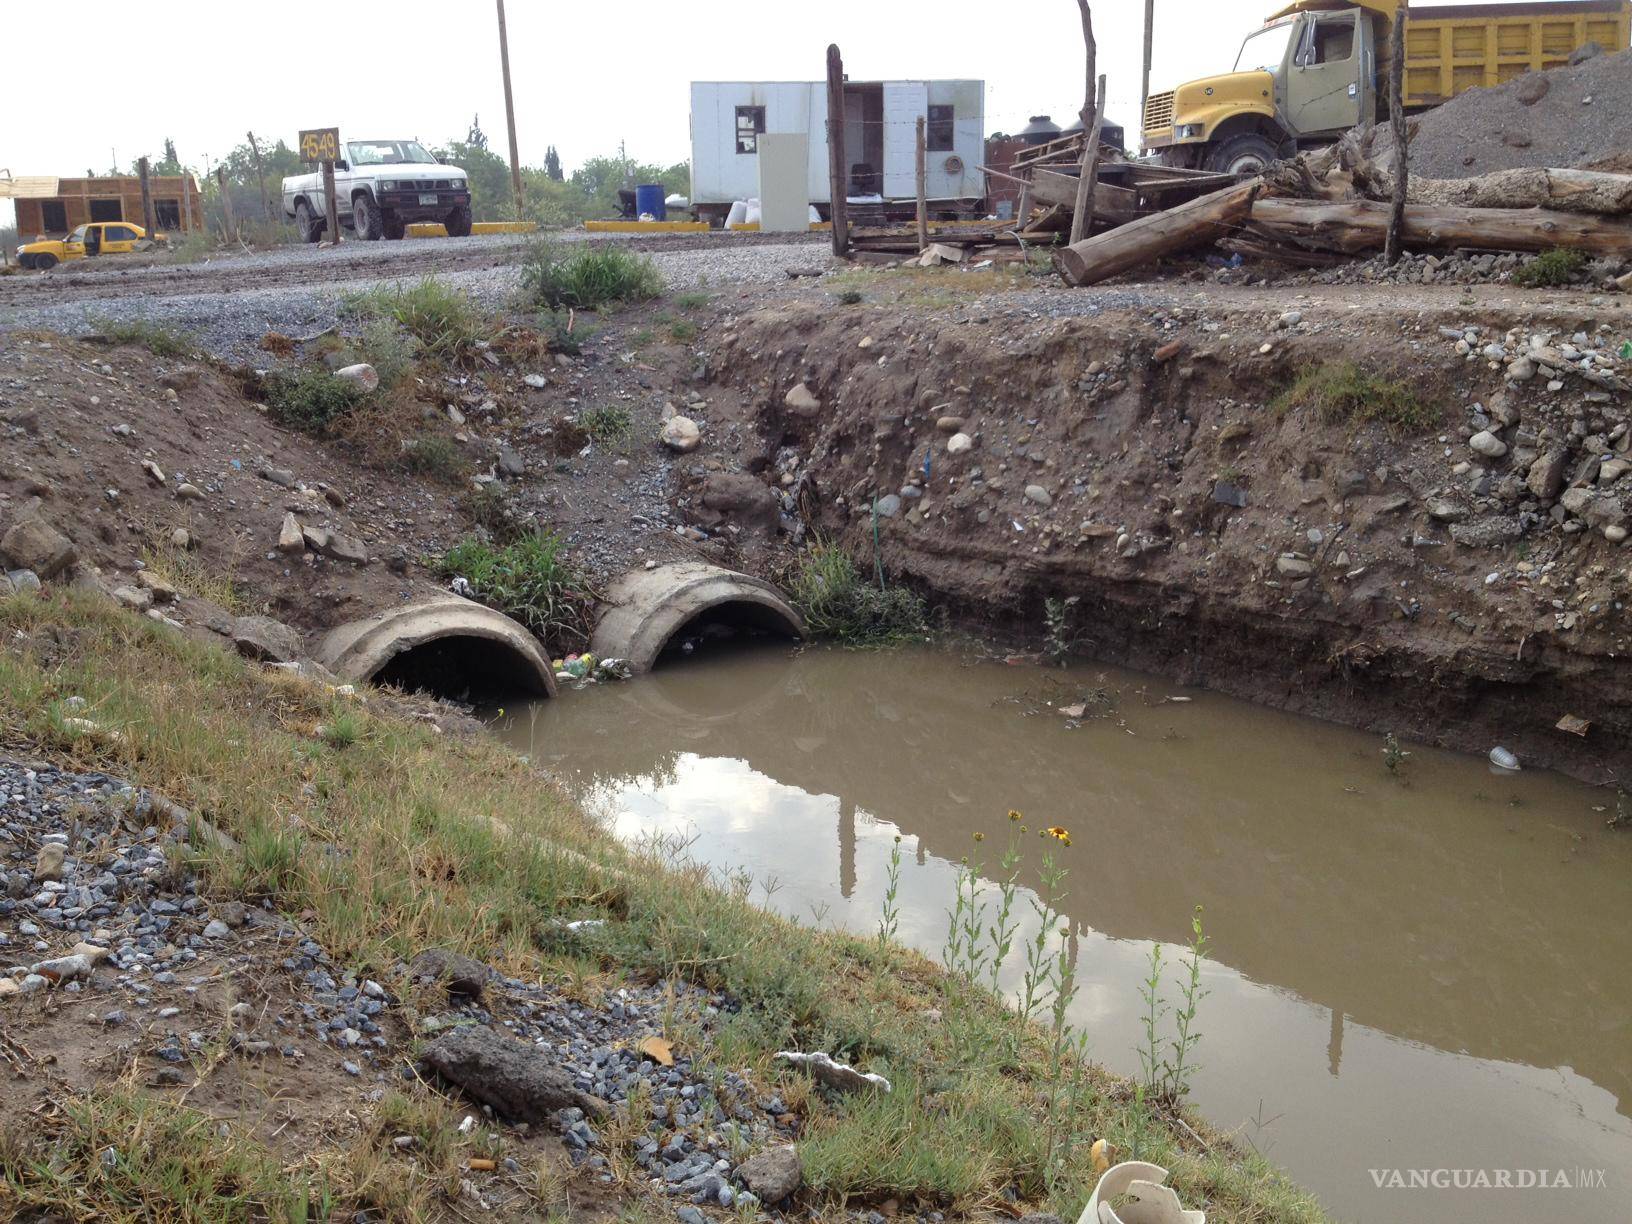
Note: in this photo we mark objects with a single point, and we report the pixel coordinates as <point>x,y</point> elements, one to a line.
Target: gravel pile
<point>1569,116</point>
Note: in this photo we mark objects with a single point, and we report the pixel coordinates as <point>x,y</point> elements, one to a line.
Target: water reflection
<point>1432,974</point>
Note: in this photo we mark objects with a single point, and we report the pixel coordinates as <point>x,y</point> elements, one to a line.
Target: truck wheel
<point>1242,155</point>
<point>306,225</point>
<point>45,262</point>
<point>395,227</point>
<point>366,219</point>
<point>458,223</point>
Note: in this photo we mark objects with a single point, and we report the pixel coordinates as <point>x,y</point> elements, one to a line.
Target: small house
<point>880,140</point>
<point>51,207</point>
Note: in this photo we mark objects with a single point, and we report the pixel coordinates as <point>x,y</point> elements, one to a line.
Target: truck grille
<point>1159,111</point>
<point>425,184</point>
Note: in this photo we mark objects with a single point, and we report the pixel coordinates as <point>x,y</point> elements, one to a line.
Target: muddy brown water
<point>1431,975</point>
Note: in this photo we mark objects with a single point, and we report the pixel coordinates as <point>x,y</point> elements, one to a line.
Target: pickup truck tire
<point>45,262</point>
<point>307,226</point>
<point>366,219</point>
<point>395,227</point>
<point>458,223</point>
<point>1242,155</point>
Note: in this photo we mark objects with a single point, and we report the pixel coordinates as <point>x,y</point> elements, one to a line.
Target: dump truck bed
<point>1452,48</point>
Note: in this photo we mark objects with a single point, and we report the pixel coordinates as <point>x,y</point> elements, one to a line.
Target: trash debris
<point>1503,759</point>
<point>1573,725</point>
<point>659,1049</point>
<point>1154,1201</point>
<point>835,1075</point>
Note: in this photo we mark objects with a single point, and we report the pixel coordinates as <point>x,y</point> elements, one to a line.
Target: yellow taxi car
<point>96,238</point>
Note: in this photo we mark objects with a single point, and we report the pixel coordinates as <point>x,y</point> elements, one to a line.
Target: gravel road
<point>227,305</point>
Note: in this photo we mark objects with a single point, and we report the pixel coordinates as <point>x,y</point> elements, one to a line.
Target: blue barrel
<point>649,198</point>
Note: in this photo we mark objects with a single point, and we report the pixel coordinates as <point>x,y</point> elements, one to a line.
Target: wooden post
<point>260,178</point>
<point>332,204</point>
<point>1396,119</point>
<point>510,113</point>
<point>226,203</point>
<point>923,203</point>
<point>838,170</point>
<point>148,223</point>
<point>186,201</point>
<point>1144,89</point>
<point>1079,215</point>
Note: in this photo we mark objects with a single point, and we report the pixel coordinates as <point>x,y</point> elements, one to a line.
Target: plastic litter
<point>837,1075</point>
<point>1503,759</point>
<point>1153,1202</point>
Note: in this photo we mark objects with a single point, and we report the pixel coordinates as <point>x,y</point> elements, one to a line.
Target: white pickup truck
<point>380,186</point>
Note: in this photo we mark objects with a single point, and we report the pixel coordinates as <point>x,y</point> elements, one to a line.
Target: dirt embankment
<point>1395,578</point>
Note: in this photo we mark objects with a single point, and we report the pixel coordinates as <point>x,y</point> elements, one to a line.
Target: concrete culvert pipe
<point>646,610</point>
<point>447,646</point>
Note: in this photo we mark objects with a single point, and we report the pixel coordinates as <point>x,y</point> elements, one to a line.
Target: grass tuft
<point>156,338</point>
<point>1342,393</point>
<point>609,424</point>
<point>435,456</point>
<point>838,603</point>
<point>586,278</point>
<point>311,399</point>
<point>530,579</point>
<point>442,319</point>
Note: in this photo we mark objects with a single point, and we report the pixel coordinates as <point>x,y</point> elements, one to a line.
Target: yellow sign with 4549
<point>320,144</point>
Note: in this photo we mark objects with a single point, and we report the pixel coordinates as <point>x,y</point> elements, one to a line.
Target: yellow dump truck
<point>1318,67</point>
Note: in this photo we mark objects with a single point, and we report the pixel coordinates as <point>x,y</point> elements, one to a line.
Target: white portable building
<point>880,135</point>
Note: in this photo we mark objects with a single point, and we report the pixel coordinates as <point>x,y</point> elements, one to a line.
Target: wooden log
<point>1396,119</point>
<point>1112,203</point>
<point>837,171</point>
<point>226,204</point>
<point>331,204</point>
<point>1139,242</point>
<point>1579,191</point>
<point>1354,226</point>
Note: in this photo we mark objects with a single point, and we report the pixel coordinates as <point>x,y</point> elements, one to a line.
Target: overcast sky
<point>204,72</point>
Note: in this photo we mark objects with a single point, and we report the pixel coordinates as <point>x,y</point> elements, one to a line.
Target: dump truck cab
<point>1308,75</point>
<point>94,238</point>
<point>1317,67</point>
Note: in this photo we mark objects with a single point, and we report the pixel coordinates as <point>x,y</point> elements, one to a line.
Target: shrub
<point>491,510</point>
<point>531,580</point>
<point>312,399</point>
<point>384,346</point>
<point>682,331</point>
<point>1556,267</point>
<point>837,603</point>
<point>435,456</point>
<point>441,318</point>
<point>156,338</point>
<point>563,332</point>
<point>608,424</point>
<point>1343,392</point>
<point>586,278</point>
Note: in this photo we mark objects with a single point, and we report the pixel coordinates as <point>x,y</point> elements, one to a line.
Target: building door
<point>904,102</point>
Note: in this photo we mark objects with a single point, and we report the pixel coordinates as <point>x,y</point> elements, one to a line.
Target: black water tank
<point>1039,131</point>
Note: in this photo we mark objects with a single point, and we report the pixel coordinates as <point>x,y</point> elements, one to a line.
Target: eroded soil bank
<point>1151,465</point>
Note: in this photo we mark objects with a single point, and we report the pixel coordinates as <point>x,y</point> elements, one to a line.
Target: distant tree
<point>491,195</point>
<point>552,164</point>
<point>171,163</point>
<point>477,138</point>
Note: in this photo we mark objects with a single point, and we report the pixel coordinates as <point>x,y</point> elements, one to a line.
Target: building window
<point>53,216</point>
<point>167,214</point>
<point>938,137</point>
<point>107,210</point>
<point>750,123</point>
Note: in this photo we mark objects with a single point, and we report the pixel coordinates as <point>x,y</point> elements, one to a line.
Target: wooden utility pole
<point>1144,88</point>
<point>332,205</point>
<point>260,177</point>
<point>838,171</point>
<point>1079,215</point>
<point>923,202</point>
<point>1090,169</point>
<point>510,113</point>
<point>1396,119</point>
<point>148,223</point>
<point>226,203</point>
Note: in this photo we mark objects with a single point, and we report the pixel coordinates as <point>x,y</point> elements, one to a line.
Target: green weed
<point>838,603</point>
<point>1560,266</point>
<point>555,277</point>
<point>682,331</point>
<point>435,456</point>
<point>311,399</point>
<point>1341,392</point>
<point>531,580</point>
<point>609,424</point>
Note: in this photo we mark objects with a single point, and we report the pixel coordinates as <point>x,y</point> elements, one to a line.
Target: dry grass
<point>458,843</point>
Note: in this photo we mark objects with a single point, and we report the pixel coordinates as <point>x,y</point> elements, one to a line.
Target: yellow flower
<point>1061,835</point>
<point>979,837</point>
<point>1014,815</point>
